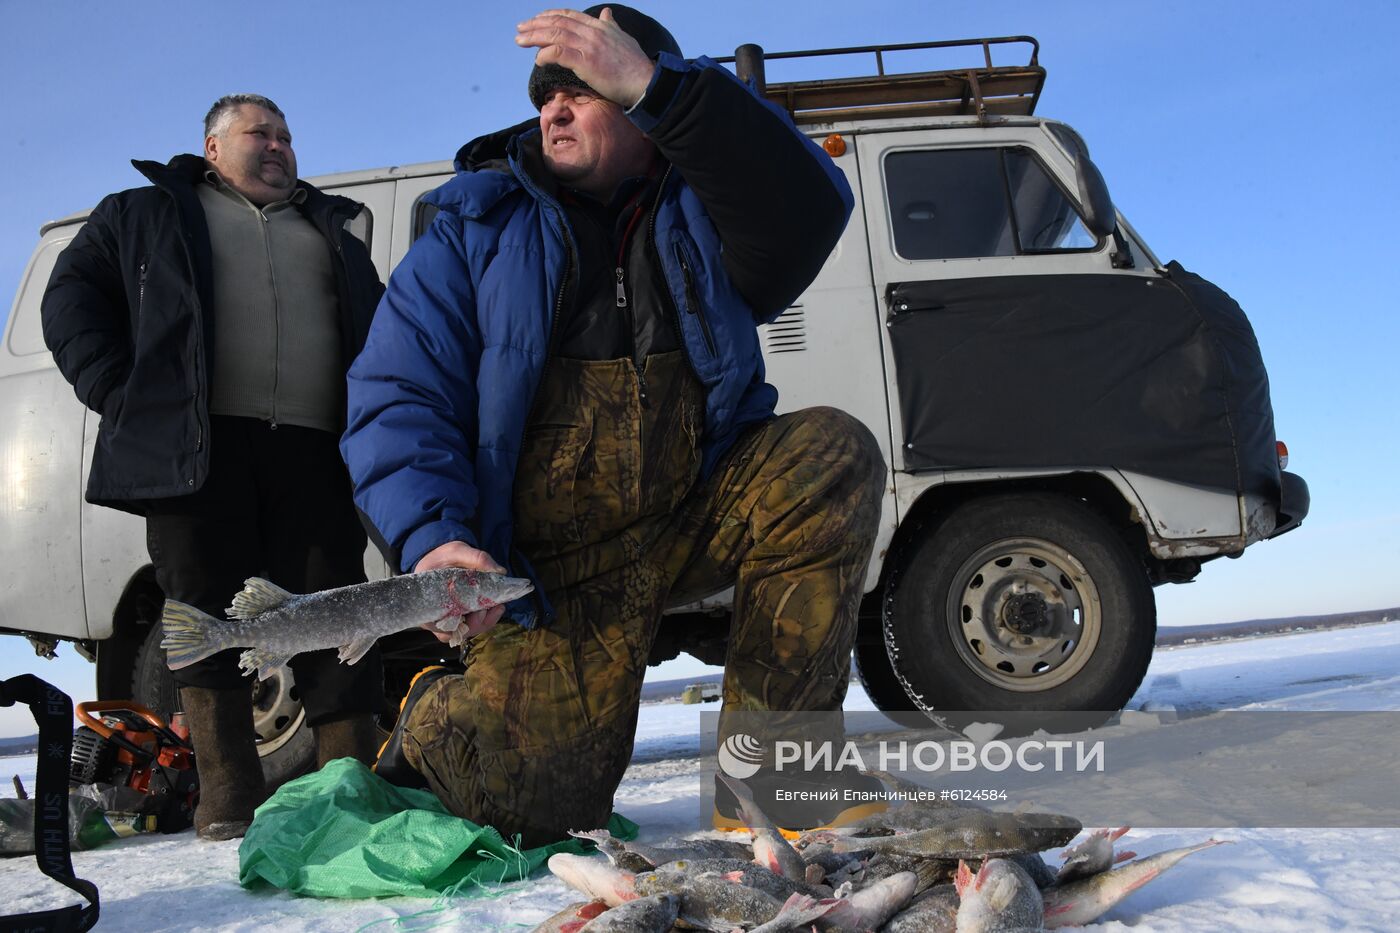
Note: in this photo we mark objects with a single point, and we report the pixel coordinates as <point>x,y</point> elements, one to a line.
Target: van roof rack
<point>991,89</point>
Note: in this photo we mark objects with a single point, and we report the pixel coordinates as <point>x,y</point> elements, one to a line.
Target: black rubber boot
<point>392,766</point>
<point>802,801</point>
<point>226,759</point>
<point>355,736</point>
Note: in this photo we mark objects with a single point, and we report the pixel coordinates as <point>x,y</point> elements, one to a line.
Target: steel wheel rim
<point>277,711</point>
<point>990,586</point>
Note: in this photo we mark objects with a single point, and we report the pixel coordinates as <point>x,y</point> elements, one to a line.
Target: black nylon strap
<point>53,711</point>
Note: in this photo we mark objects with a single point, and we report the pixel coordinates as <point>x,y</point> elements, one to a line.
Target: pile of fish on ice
<point>916,869</point>
<point>909,870</point>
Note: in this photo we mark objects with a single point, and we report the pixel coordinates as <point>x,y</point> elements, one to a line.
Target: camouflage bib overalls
<point>536,737</point>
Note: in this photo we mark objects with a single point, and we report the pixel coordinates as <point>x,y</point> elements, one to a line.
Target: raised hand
<point>597,50</point>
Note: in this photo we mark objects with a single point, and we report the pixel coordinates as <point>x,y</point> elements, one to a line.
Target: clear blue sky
<point>1255,142</point>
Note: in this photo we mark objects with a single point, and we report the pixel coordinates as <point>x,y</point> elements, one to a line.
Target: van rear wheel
<point>286,745</point>
<point>1021,602</point>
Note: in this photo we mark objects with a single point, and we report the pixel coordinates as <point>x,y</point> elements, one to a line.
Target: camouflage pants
<point>535,738</point>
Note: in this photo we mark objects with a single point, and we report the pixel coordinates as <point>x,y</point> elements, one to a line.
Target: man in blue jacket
<point>564,380</point>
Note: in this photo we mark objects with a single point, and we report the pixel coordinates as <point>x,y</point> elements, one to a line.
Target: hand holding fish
<point>276,625</point>
<point>461,554</point>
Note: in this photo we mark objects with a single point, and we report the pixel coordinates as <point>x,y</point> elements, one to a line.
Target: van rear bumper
<point>1293,505</point>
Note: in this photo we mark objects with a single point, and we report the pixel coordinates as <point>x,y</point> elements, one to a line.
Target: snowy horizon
<point>1268,879</point>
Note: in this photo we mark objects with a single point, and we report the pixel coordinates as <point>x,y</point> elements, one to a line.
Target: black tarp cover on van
<point>1161,375</point>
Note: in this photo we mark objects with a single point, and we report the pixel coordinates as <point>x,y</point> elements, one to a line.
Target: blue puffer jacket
<point>439,397</point>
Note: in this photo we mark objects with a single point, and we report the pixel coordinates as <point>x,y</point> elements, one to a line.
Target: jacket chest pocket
<point>696,314</point>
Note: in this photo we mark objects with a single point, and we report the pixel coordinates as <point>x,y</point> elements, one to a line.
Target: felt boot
<point>226,757</point>
<point>356,736</point>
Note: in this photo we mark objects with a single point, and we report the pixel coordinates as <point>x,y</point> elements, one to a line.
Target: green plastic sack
<point>346,832</point>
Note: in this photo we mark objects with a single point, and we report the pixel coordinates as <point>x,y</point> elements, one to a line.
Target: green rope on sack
<point>402,923</point>
<point>344,831</point>
<point>516,865</point>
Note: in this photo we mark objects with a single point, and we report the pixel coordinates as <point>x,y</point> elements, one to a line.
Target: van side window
<point>27,335</point>
<point>1045,218</point>
<point>423,214</point>
<point>967,203</point>
<point>361,227</point>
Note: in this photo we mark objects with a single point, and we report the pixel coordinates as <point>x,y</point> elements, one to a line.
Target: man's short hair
<point>220,115</point>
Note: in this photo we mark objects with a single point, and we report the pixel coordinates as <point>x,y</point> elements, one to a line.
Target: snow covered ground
<point>1268,880</point>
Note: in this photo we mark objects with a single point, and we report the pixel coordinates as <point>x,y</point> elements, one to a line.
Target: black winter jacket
<point>128,316</point>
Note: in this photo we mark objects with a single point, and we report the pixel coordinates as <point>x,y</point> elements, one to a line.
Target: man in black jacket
<point>210,318</point>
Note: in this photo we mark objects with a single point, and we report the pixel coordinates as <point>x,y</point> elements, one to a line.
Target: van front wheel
<point>1026,602</point>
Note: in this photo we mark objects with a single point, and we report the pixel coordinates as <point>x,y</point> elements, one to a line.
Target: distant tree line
<point>19,745</point>
<point>1183,634</point>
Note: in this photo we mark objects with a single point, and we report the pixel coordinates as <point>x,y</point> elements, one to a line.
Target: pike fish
<point>635,856</point>
<point>274,625</point>
<point>1079,902</point>
<point>969,834</point>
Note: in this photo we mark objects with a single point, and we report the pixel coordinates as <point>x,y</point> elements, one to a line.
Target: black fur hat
<point>650,35</point>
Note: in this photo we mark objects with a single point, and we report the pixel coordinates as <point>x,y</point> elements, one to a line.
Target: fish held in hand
<point>275,625</point>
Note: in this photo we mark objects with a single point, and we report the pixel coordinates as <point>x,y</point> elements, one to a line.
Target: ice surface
<point>1277,880</point>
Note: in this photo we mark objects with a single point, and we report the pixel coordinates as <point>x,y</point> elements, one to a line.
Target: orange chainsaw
<point>124,744</point>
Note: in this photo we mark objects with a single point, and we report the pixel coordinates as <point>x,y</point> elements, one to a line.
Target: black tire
<point>286,744</point>
<point>152,684</point>
<point>1020,602</point>
<point>876,672</point>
